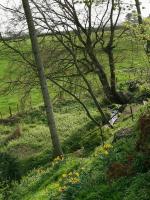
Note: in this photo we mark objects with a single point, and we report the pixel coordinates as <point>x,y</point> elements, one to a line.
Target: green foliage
<point>10,169</point>
<point>139,188</point>
<point>42,183</point>
<point>81,137</point>
<point>45,179</point>
<point>34,116</point>
<point>69,185</point>
<point>36,161</point>
<point>140,164</point>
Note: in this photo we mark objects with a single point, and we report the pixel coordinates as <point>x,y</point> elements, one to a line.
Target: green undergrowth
<point>34,145</point>
<point>27,169</point>
<point>131,65</point>
<point>84,171</point>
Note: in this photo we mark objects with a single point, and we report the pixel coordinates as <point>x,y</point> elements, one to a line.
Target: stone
<point>123,133</point>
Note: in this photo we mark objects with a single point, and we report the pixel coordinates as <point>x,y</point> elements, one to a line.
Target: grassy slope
<point>130,58</point>
<point>13,98</point>
<point>43,181</point>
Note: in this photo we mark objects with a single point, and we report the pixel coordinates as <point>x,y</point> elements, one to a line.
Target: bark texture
<point>42,79</point>
<point>137,3</point>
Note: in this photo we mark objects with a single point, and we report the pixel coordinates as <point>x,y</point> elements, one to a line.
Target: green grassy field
<point>84,171</point>
<point>130,57</point>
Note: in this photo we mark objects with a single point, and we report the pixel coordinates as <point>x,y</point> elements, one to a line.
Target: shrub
<point>9,168</point>
<point>139,189</point>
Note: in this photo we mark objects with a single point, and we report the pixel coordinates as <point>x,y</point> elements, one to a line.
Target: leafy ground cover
<point>88,170</point>
<point>117,170</point>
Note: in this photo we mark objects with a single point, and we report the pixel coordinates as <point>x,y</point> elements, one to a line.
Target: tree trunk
<point>140,21</point>
<point>42,79</point>
<point>112,71</point>
<point>111,95</point>
<point>137,4</point>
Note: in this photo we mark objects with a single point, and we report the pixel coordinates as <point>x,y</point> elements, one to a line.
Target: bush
<point>139,189</point>
<point>9,168</point>
<point>35,116</point>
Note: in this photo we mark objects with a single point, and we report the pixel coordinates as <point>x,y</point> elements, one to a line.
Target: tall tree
<point>85,36</point>
<point>140,21</point>
<point>137,4</point>
<point>43,83</point>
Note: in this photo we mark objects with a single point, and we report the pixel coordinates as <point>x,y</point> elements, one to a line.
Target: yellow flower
<point>62,189</point>
<point>77,174</point>
<point>105,152</point>
<point>64,175</point>
<point>75,180</point>
<point>107,146</point>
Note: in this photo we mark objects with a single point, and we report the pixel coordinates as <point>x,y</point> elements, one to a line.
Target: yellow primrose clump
<point>103,150</point>
<point>107,146</point>
<point>57,160</point>
<point>70,179</point>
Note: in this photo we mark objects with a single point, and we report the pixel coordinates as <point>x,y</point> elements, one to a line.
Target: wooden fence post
<point>10,111</point>
<point>17,108</point>
<point>1,115</point>
<point>131,113</point>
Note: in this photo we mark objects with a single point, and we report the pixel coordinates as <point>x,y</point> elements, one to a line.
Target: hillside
<point>74,101</point>
<point>89,170</point>
<point>118,170</point>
